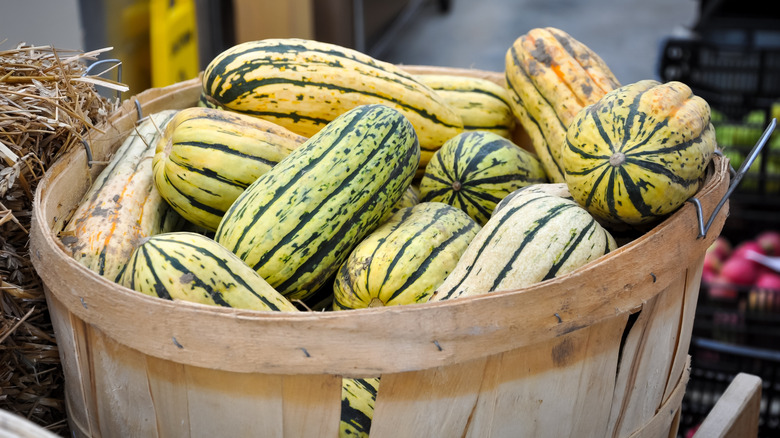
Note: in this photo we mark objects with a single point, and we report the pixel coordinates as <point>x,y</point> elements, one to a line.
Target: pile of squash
<point>312,176</point>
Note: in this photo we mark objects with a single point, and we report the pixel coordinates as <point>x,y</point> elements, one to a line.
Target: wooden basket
<point>599,352</point>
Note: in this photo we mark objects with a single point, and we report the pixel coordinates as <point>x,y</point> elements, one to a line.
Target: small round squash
<point>474,170</point>
<point>638,153</point>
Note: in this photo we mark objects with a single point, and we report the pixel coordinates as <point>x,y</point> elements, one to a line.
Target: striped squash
<point>557,189</point>
<point>410,198</point>
<point>358,397</point>
<point>405,259</point>
<point>550,77</point>
<point>640,152</point>
<point>303,84</point>
<point>415,188</point>
<point>207,157</point>
<point>122,206</point>
<point>622,233</point>
<point>473,171</point>
<point>298,222</point>
<point>534,237</point>
<point>192,267</point>
<point>482,104</point>
<point>205,102</point>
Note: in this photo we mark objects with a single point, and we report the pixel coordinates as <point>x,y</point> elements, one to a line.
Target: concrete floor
<point>477,33</point>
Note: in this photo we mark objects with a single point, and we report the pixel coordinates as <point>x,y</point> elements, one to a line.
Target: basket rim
<point>365,342</point>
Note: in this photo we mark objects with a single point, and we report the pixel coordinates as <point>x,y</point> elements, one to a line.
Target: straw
<point>47,103</point>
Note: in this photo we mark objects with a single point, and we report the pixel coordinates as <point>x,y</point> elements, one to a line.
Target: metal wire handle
<point>138,111</point>
<point>736,178</point>
<point>89,72</point>
<point>118,63</point>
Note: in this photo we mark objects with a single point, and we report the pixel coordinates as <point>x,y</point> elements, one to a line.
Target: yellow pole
<point>173,41</point>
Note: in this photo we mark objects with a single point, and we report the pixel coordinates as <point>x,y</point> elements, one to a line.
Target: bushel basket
<point>599,352</point>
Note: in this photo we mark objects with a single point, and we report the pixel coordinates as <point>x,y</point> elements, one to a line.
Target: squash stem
<point>617,159</point>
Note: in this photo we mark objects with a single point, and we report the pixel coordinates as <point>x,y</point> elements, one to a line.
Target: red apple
<point>768,280</point>
<point>692,431</point>
<point>748,245</point>
<point>769,242</point>
<point>720,248</point>
<point>712,262</point>
<point>716,254</point>
<point>740,270</point>
<point>708,275</point>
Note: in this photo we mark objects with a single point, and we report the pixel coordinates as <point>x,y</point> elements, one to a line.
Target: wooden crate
<point>598,352</point>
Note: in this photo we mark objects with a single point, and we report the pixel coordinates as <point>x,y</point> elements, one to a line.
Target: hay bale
<point>47,103</point>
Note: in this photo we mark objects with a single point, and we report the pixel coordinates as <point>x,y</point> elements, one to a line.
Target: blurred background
<point>727,51</point>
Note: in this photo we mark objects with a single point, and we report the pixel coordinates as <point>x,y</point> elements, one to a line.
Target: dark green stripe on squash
<point>195,280</point>
<point>529,235</point>
<point>356,418</point>
<point>586,231</point>
<point>211,148</point>
<point>426,266</point>
<point>254,85</point>
<point>478,90</point>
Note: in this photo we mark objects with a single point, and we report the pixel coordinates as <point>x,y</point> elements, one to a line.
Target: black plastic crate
<point>714,365</point>
<point>740,79</point>
<point>733,76</point>
<point>731,58</point>
<point>751,16</point>
<point>749,318</point>
<point>736,140</point>
<point>755,203</point>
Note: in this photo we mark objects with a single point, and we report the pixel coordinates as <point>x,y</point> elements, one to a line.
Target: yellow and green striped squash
<point>122,206</point>
<point>557,189</point>
<point>207,157</point>
<point>640,152</point>
<point>534,237</point>
<point>358,397</point>
<point>204,102</point>
<point>473,171</point>
<point>192,267</point>
<point>482,104</point>
<point>410,198</point>
<point>551,76</point>
<point>405,259</point>
<point>303,85</point>
<point>298,222</point>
